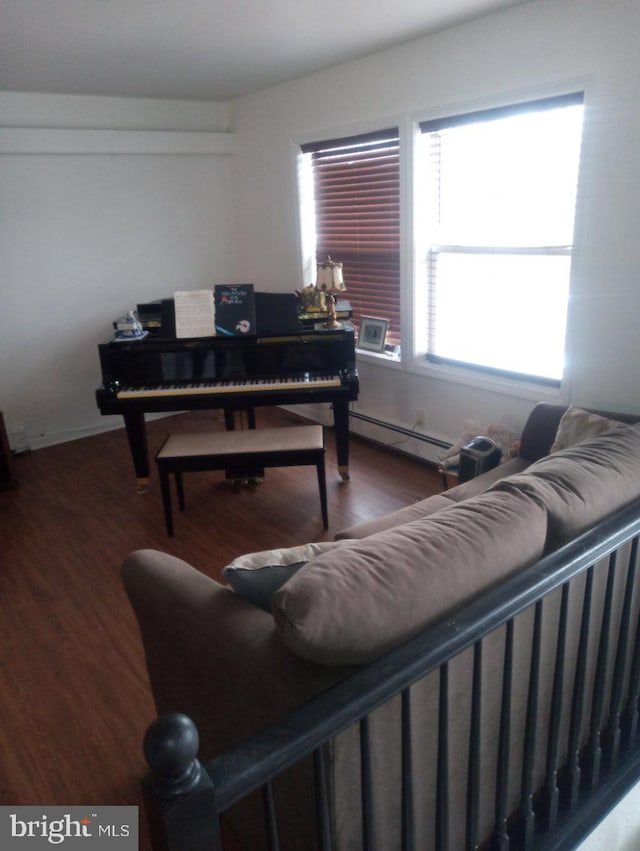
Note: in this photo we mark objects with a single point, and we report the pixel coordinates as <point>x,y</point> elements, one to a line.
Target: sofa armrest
<point>213,655</point>
<point>540,430</point>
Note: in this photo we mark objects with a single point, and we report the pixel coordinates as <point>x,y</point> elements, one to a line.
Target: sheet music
<point>195,313</point>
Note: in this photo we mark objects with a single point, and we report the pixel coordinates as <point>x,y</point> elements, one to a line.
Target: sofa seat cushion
<point>484,481</point>
<point>354,604</point>
<point>582,484</point>
<point>422,508</point>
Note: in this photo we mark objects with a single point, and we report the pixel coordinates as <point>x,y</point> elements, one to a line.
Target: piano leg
<point>341,426</point>
<point>230,417</point>
<point>137,436</point>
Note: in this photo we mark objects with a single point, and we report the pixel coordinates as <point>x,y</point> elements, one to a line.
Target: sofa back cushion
<point>415,511</point>
<point>582,484</point>
<point>354,604</point>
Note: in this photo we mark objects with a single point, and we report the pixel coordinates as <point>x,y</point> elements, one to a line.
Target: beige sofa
<point>236,663</point>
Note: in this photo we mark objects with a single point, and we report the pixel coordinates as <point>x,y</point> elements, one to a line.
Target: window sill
<point>378,357</point>
<point>499,384</point>
<point>519,388</point>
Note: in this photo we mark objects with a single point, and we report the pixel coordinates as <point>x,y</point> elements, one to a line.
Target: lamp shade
<point>329,276</point>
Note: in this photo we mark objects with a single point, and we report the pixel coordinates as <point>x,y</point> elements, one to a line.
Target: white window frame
<point>416,252</point>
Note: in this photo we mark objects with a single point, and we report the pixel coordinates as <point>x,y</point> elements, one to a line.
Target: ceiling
<point>202,49</point>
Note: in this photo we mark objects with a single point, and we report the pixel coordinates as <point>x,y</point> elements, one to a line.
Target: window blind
<point>357,219</point>
<point>498,112</point>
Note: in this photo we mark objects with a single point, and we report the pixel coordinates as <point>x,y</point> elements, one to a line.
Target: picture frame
<point>373,333</point>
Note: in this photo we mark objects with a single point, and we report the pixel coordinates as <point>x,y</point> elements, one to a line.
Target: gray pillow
<point>257,576</point>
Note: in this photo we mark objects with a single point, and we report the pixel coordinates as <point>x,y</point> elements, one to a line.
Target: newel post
<point>179,798</point>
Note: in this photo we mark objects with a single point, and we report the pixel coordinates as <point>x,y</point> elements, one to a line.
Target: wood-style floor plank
<point>74,696</point>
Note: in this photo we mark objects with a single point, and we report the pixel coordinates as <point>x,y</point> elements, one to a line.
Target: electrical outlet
<point>420,417</point>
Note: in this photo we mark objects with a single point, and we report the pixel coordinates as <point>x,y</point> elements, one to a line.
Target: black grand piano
<point>234,373</point>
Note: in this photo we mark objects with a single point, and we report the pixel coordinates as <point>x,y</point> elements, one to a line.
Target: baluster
<point>408,827</point>
<point>622,655</point>
<point>473,774</point>
<point>442,780</point>
<point>577,705</point>
<point>322,804</point>
<point>504,742</point>
<point>631,709</point>
<point>594,748</point>
<point>528,756</point>
<point>551,781</point>
<point>368,827</point>
<point>273,843</point>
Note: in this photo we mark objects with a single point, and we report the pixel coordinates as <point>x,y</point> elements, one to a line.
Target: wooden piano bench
<point>288,446</point>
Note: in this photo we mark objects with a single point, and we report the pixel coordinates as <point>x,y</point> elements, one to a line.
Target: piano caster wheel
<point>143,486</point>
<point>344,474</point>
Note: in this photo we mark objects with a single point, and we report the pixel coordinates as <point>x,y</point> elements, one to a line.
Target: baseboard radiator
<point>564,744</point>
<point>407,432</point>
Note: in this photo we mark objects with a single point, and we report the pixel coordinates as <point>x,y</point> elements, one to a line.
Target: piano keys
<point>232,373</point>
<point>253,385</point>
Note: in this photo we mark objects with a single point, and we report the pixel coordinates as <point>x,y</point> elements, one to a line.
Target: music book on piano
<point>194,313</point>
<point>235,309</point>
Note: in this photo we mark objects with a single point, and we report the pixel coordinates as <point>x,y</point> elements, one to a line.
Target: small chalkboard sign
<point>235,309</point>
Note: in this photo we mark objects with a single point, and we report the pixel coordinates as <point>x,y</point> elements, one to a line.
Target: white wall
<point>86,235</point>
<point>528,51</point>
<point>92,229</point>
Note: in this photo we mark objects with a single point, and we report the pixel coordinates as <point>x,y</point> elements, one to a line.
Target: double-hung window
<point>497,192</point>
<point>354,211</point>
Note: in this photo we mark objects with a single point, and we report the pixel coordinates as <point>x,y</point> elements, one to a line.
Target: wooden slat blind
<point>357,214</point>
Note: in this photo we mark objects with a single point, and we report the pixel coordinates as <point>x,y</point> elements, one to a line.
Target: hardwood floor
<point>74,698</point>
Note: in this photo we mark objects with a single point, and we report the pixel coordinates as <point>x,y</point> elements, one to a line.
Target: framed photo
<point>373,334</point>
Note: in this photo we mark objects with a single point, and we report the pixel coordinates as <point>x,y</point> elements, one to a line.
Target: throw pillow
<point>577,425</point>
<point>257,576</point>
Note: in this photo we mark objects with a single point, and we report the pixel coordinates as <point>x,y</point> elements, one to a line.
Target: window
<point>355,208</point>
<point>497,191</point>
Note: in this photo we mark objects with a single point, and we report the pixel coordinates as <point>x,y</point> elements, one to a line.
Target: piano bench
<point>288,446</point>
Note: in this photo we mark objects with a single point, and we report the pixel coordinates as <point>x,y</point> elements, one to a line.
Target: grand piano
<point>234,373</point>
